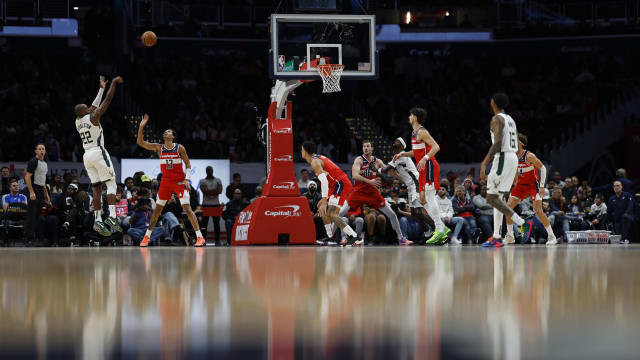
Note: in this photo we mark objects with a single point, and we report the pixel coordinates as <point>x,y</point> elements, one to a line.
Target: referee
<point>35,178</point>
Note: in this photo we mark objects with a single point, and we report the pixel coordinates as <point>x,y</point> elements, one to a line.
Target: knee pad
<point>161,202</point>
<point>111,187</point>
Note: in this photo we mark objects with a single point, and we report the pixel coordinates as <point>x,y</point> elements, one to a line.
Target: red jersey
<point>171,163</point>
<point>420,148</point>
<point>527,173</point>
<point>366,170</point>
<point>335,173</point>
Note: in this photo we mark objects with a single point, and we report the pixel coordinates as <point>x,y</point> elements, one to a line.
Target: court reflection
<point>285,303</point>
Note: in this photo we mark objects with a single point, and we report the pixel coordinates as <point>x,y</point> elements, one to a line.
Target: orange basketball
<point>149,38</point>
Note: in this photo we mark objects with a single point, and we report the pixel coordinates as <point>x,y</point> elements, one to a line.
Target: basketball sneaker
<point>113,224</point>
<point>101,228</point>
<point>497,243</point>
<point>552,241</point>
<point>525,230</point>
<point>436,238</point>
<point>200,242</point>
<point>454,241</point>
<point>145,241</point>
<point>509,239</point>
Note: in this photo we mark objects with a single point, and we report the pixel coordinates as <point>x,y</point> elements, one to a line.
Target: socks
<point>517,219</point>
<point>434,209</point>
<point>349,231</point>
<point>329,229</point>
<point>198,233</point>
<point>112,211</point>
<point>98,215</point>
<point>148,233</point>
<point>509,230</point>
<point>497,224</point>
<point>550,234</point>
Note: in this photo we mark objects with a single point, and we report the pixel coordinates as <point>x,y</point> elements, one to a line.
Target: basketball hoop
<point>330,74</point>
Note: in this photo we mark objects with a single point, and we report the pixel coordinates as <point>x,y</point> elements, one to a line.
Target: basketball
<point>149,38</point>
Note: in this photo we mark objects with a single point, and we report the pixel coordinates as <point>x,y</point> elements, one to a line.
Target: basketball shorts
<point>98,165</point>
<point>503,172</point>
<point>430,176</point>
<point>371,197</point>
<point>521,191</point>
<point>170,186</point>
<point>339,192</point>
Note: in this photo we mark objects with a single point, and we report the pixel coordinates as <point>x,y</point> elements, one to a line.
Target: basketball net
<point>330,74</point>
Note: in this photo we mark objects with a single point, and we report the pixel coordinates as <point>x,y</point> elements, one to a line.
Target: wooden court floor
<point>573,302</point>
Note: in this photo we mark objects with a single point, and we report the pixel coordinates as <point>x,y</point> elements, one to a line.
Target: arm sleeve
<point>98,99</point>
<point>32,165</point>
<point>324,185</point>
<point>543,176</point>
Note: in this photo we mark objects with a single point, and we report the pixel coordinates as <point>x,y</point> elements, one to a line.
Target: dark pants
<point>216,226</point>
<point>34,209</point>
<point>622,225</point>
<point>48,228</point>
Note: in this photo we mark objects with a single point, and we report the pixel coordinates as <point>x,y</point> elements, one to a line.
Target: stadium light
<point>75,8</point>
<point>407,18</point>
<point>447,14</point>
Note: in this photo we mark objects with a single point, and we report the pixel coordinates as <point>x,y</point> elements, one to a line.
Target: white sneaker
<point>509,239</point>
<point>553,241</point>
<point>454,241</point>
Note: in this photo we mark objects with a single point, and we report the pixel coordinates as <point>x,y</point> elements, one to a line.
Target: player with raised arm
<point>335,187</point>
<point>174,179</point>
<point>404,169</point>
<point>424,149</point>
<point>364,173</point>
<point>504,137</point>
<point>96,158</point>
<point>529,183</point>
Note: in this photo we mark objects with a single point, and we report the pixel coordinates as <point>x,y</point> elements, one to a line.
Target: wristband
<point>187,174</point>
<point>426,157</point>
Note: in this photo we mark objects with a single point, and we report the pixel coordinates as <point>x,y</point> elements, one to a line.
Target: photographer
<point>141,218</point>
<point>171,214</point>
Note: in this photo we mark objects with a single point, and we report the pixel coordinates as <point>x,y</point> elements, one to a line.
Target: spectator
<point>6,183</point>
<point>122,208</point>
<point>236,184</point>
<point>211,188</point>
<point>569,188</point>
<point>446,212</point>
<point>374,220</point>
<point>48,226</point>
<point>170,215</point>
<point>463,208</point>
<point>13,196</point>
<point>356,223</point>
<point>57,187</point>
<point>141,218</point>
<point>258,193</point>
<point>598,213</point>
<point>558,207</point>
<point>557,179</point>
<point>232,209</point>
<point>620,211</point>
<point>303,183</point>
<point>129,188</point>
<point>72,206</point>
<point>469,187</point>
<point>575,214</point>
<point>485,212</point>
<point>398,204</point>
<point>621,175</point>
<point>313,196</point>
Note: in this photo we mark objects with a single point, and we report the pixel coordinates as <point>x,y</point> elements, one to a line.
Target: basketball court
<point>576,301</point>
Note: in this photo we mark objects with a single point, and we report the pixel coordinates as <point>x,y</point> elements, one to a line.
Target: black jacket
<point>619,207</point>
<point>233,208</point>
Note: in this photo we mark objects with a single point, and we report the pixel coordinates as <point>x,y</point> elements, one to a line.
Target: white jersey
<point>509,135</point>
<point>91,135</point>
<point>407,171</point>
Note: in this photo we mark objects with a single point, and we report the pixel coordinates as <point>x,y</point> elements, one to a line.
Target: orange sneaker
<point>200,242</point>
<point>145,241</point>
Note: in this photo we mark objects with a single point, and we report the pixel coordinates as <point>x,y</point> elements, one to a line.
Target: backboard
<point>299,39</point>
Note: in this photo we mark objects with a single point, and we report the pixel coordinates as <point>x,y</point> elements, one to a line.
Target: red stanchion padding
<point>267,218</point>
